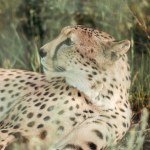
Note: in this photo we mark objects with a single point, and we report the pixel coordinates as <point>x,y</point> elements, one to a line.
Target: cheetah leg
<point>92,134</point>
<point>5,141</point>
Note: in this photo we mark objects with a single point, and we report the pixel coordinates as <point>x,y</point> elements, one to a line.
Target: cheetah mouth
<point>55,67</point>
<point>45,68</point>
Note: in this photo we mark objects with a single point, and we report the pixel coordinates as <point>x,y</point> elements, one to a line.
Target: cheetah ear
<point>119,48</point>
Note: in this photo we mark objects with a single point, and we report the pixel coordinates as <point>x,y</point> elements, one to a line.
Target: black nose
<point>42,52</point>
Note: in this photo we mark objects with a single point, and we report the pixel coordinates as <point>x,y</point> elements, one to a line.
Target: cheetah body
<point>80,103</point>
<point>32,106</point>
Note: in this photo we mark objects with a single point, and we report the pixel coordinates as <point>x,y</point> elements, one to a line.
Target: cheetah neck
<point>107,89</point>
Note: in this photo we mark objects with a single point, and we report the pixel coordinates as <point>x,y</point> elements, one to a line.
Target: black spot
<point>56,87</point>
<point>127,78</point>
<point>37,104</point>
<point>116,87</point>
<point>79,94</point>
<point>55,99</point>
<point>112,85</point>
<point>109,124</point>
<point>98,133</point>
<point>35,100</point>
<point>3,99</point>
<point>104,79</point>
<point>67,88</point>
<point>4,131</point>
<point>35,78</point>
<point>46,118</point>
<point>1,146</point>
<point>6,85</point>
<point>66,102</point>
<point>74,123</point>
<point>31,124</point>
<point>113,116</point>
<point>81,55</point>
<point>61,112</point>
<point>61,128</point>
<point>116,113</point>
<point>39,115</point>
<point>105,116</point>
<point>40,126</point>
<point>114,79</point>
<point>46,93</point>
<point>72,118</point>
<point>115,126</point>
<point>125,105</point>
<point>69,94</point>
<point>50,108</point>
<point>62,88</point>
<point>90,76</point>
<point>9,104</point>
<point>70,108</point>
<point>12,117</point>
<point>1,108</point>
<point>6,79</point>
<point>77,114</point>
<point>92,145</point>
<point>107,97</point>
<point>43,106</point>
<point>22,81</point>
<point>52,94</point>
<point>15,85</point>
<point>2,91</point>
<point>77,106</point>
<point>73,147</point>
<point>17,126</point>
<point>73,99</point>
<point>94,73</point>
<point>122,110</point>
<point>90,111</point>
<point>85,111</point>
<point>38,94</point>
<point>110,92</point>
<point>18,76</point>
<point>61,93</point>
<point>124,124</point>
<point>24,112</point>
<point>87,101</point>
<point>106,138</point>
<point>43,134</point>
<point>30,115</point>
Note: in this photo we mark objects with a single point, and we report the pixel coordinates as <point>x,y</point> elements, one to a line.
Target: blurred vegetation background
<point>25,25</point>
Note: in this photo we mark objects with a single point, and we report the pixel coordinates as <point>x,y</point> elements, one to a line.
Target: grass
<point>26,25</point>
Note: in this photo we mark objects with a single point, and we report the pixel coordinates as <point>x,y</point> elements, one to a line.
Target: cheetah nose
<point>42,52</point>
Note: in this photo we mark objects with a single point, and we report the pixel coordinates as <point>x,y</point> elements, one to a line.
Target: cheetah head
<point>79,52</point>
<point>76,47</point>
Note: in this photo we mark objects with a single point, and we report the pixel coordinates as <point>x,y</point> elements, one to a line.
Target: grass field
<point>27,24</point>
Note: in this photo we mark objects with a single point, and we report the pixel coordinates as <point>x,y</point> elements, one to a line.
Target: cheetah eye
<point>68,41</point>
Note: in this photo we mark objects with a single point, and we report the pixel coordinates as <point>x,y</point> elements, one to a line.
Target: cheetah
<point>81,103</point>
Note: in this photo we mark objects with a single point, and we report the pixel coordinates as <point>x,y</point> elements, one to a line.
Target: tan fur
<point>80,103</point>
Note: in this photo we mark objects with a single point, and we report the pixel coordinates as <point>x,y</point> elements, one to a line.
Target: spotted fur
<point>81,103</point>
